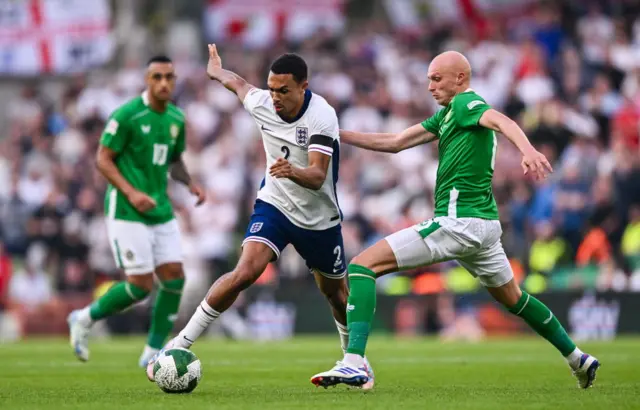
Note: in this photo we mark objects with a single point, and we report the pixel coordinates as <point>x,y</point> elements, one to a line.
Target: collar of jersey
<point>468,90</point>
<point>145,98</point>
<point>145,101</point>
<point>305,105</point>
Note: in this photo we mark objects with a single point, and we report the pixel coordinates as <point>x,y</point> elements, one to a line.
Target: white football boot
<point>342,373</point>
<point>78,336</point>
<point>586,370</point>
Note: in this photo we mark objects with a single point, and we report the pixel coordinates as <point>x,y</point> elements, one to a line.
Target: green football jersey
<point>467,154</point>
<point>146,142</point>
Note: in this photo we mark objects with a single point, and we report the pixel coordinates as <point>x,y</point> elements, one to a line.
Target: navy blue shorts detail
<point>323,251</point>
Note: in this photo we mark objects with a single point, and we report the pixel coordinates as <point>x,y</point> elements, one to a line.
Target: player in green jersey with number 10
<point>142,142</point>
<point>465,226</point>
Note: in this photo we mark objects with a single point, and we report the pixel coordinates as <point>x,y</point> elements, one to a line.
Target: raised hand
<point>215,62</point>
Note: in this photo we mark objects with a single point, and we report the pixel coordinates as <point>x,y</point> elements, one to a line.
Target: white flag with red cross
<point>260,23</point>
<point>54,36</point>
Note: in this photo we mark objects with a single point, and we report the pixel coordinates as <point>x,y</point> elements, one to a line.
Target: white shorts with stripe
<point>139,248</point>
<point>473,242</point>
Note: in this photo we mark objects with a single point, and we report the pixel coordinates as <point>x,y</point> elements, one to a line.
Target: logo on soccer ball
<point>174,130</point>
<point>302,136</point>
<point>255,227</point>
<point>129,255</point>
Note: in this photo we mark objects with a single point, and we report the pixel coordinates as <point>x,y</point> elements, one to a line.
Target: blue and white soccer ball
<point>177,370</point>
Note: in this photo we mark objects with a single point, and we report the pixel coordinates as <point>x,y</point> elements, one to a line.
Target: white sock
<point>84,317</point>
<point>199,322</point>
<point>574,358</point>
<point>354,360</point>
<point>344,336</point>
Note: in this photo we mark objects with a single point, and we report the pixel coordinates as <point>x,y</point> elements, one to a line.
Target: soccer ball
<point>177,371</point>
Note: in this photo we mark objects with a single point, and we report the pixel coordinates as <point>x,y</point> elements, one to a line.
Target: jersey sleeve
<point>180,143</point>
<point>116,133</point>
<point>324,131</point>
<point>255,98</point>
<point>432,124</point>
<point>468,108</point>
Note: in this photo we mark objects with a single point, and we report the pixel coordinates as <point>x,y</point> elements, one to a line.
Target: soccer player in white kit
<point>297,202</point>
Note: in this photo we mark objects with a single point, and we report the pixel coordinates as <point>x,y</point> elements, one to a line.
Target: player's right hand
<point>215,62</point>
<point>534,162</point>
<point>141,201</point>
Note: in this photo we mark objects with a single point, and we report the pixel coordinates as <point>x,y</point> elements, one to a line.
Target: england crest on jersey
<point>256,227</point>
<point>302,136</point>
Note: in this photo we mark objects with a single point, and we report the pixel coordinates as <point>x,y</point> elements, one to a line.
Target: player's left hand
<point>534,162</point>
<point>199,192</point>
<point>281,169</point>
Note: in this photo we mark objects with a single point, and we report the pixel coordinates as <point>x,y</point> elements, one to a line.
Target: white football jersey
<point>315,129</point>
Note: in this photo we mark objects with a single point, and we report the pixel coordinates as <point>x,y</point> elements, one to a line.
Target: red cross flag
<point>54,36</point>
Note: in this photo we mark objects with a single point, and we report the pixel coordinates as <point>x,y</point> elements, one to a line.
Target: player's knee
<point>508,294</point>
<point>142,282</point>
<point>170,272</point>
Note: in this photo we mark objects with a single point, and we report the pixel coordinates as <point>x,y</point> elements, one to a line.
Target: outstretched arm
<point>532,161</point>
<point>388,142</point>
<point>231,81</point>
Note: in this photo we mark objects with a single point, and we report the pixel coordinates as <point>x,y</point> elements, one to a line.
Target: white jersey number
<point>286,151</point>
<point>160,154</point>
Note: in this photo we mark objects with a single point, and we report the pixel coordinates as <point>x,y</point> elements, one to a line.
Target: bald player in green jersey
<point>141,144</point>
<point>465,226</point>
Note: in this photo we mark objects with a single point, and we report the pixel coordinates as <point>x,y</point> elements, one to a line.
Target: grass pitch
<point>410,374</point>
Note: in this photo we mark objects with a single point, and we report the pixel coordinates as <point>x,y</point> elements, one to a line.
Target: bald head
<point>449,74</point>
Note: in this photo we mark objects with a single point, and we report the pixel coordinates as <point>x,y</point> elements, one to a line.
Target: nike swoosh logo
<point>187,339</point>
<point>548,319</point>
<point>263,128</point>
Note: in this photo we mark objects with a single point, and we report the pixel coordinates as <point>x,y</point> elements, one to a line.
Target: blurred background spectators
<point>567,71</point>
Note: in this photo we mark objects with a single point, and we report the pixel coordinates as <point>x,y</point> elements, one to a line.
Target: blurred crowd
<point>570,75</point>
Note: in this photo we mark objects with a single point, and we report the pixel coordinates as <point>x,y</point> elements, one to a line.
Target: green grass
<point>417,373</point>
